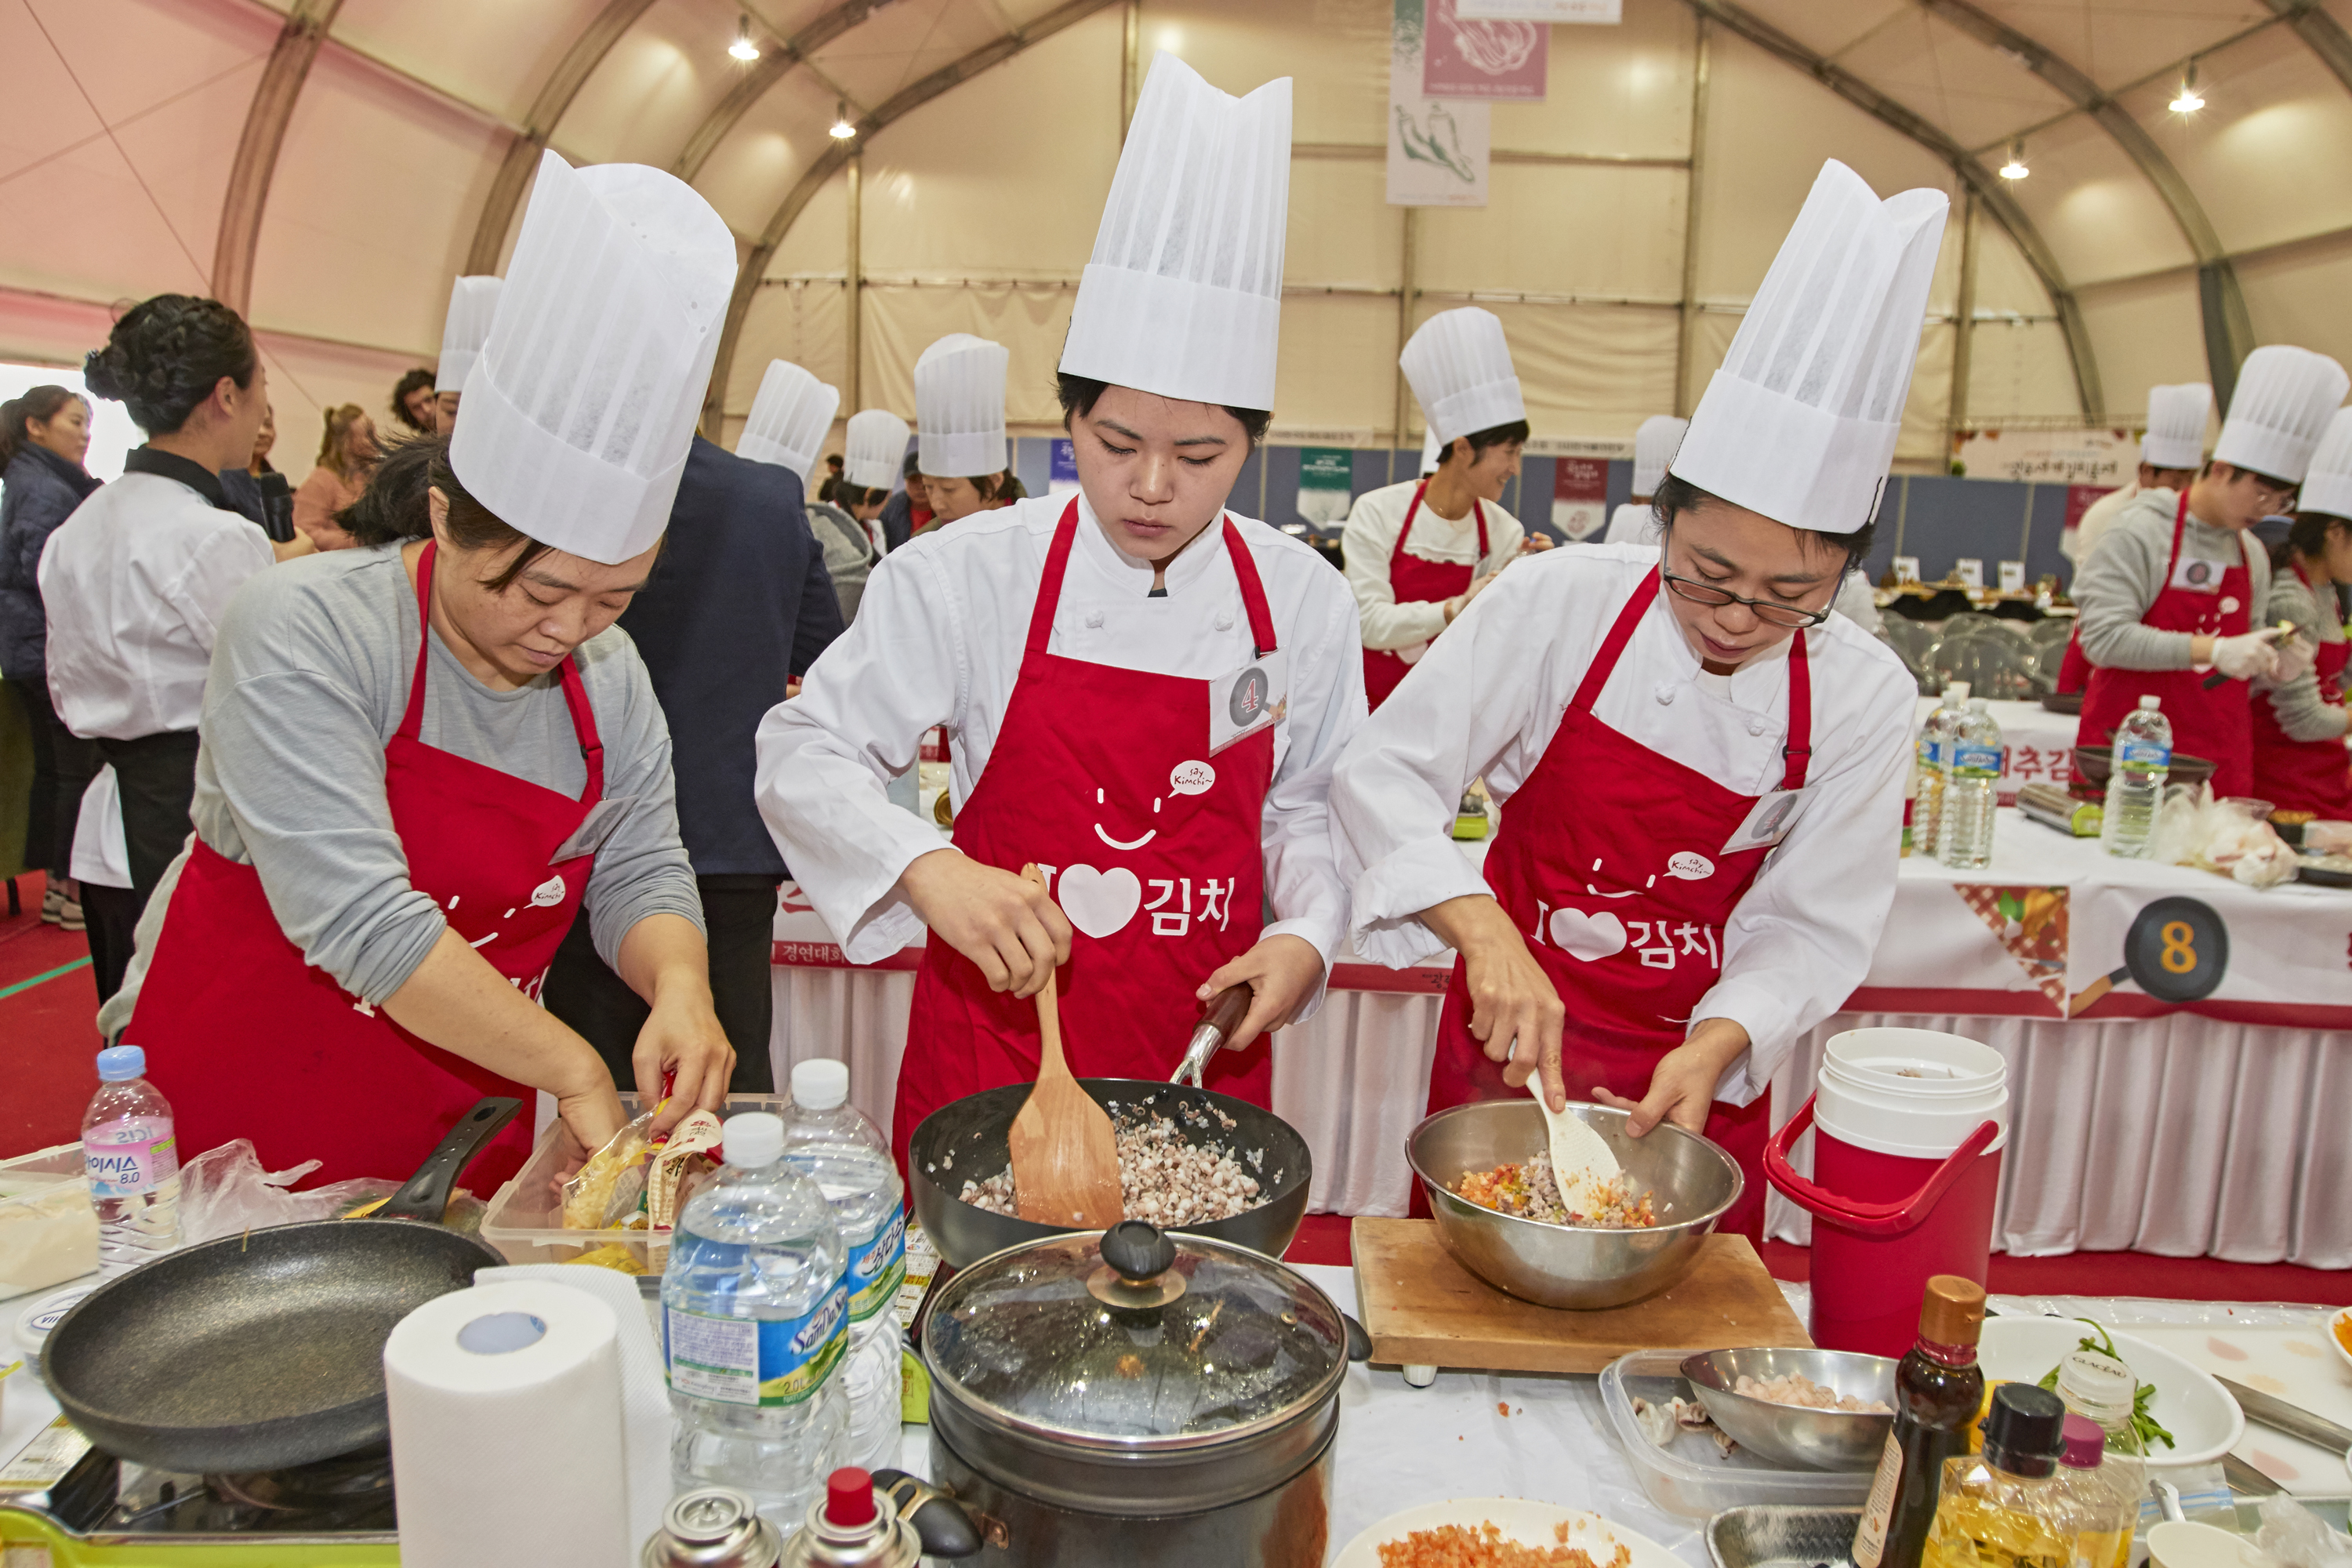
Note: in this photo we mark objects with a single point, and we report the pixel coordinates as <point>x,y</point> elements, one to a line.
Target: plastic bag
<point>225,1191</point>
<point>611,1187</point>
<point>2294,1536</point>
<point>2192,828</point>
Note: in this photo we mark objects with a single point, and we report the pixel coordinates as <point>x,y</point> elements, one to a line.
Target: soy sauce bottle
<point>1939,1389</point>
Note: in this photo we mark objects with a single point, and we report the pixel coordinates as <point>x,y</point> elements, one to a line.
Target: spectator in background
<point>908,510</point>
<point>259,490</point>
<point>44,435</point>
<point>826,491</point>
<point>414,403</point>
<point>346,453</point>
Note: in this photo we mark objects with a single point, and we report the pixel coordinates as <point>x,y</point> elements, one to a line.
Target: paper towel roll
<point>506,1440</point>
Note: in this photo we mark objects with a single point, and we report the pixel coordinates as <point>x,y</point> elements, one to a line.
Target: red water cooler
<point>1908,1127</point>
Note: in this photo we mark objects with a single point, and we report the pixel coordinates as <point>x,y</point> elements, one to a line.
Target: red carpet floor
<point>48,1006</point>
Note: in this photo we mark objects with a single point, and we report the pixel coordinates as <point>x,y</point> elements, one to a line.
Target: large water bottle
<point>754,1325</point>
<point>829,1141</point>
<point>134,1164</point>
<point>2138,764</point>
<point>1934,740</point>
<point>1972,790</point>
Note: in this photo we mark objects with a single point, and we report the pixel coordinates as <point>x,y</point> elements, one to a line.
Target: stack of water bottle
<point>778,1305</point>
<point>1959,755</point>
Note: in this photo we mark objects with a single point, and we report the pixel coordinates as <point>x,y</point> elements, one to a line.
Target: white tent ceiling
<point>329,165</point>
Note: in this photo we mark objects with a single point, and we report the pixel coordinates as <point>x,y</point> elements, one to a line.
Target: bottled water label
<point>129,1156</point>
<point>2147,754</point>
<point>763,1361</point>
<point>878,1269</point>
<point>1977,762</point>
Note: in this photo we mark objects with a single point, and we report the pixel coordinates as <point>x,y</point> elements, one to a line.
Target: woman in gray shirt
<point>2300,763</point>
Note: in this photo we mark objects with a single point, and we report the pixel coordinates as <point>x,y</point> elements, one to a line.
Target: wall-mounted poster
<point>1437,149</point>
<point>2078,456</point>
<point>1326,483</point>
<point>1579,495</point>
<point>1063,478</point>
<point>1464,57</point>
<point>1600,12</point>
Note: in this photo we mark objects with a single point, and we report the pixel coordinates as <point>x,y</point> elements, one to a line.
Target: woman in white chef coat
<point>473,302</point>
<point>1653,447</point>
<point>959,426</point>
<point>1418,552</point>
<point>874,442</point>
<point>1143,693</point>
<point>1645,714</point>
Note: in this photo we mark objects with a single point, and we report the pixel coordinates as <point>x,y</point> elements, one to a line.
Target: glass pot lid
<point>1135,1338</point>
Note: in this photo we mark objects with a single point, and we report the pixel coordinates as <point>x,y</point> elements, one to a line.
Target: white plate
<point>2204,1421</point>
<point>1527,1524</point>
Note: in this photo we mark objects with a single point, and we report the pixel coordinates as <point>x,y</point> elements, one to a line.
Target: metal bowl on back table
<point>1691,1181</point>
<point>1795,1435</point>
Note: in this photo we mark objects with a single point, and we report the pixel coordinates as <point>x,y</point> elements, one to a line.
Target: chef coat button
<point>1093,619</point>
<point>1225,621</point>
<point>1755,725</point>
<point>1664,692</point>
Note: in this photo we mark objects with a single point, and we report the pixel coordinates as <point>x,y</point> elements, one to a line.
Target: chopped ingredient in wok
<point>1459,1546</point>
<point>1795,1388</point>
<point>1527,1191</point>
<point>1162,1178</point>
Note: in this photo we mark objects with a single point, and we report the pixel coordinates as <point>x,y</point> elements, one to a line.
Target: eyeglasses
<point>1699,592</point>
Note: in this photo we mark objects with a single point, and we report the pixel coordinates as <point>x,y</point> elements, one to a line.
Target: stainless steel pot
<point>1088,1383</point>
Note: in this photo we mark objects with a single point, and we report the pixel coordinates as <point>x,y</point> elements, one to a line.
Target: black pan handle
<point>945,1529</point>
<point>424,1195</point>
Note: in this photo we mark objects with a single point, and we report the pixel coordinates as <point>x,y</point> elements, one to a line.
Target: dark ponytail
<point>397,506</point>
<point>165,356</point>
<point>41,402</point>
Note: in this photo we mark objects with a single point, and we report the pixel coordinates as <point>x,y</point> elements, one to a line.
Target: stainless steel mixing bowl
<point>1792,1435</point>
<point>1692,1183</point>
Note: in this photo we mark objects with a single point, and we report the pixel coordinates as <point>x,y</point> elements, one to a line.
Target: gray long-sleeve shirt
<point>310,680</point>
<point>2297,704</point>
<point>2127,569</point>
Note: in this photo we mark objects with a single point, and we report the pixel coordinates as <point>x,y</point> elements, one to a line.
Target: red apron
<point>2305,775</point>
<point>2216,724</point>
<point>1414,581</point>
<point>250,1041</point>
<point>1582,865</point>
<point>1161,887</point>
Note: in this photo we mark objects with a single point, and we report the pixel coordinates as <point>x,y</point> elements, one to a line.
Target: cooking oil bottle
<point>2007,1508</point>
<point>1939,1389</point>
<point>2104,1516</point>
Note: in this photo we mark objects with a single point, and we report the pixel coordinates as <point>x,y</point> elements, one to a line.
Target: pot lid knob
<point>1138,1252</point>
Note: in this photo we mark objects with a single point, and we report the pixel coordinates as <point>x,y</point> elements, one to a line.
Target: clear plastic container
<point>1691,1477</point>
<point>48,1231</point>
<point>2141,759</point>
<point>133,1162</point>
<point>1972,782</point>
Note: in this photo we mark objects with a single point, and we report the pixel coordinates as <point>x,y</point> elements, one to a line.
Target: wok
<point>965,1140</point>
<point>265,1350</point>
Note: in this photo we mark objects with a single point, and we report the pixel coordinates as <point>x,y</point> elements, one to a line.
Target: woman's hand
<point>1516,1012</point>
<point>1007,925</point>
<point>664,961</point>
<point>1284,971</point>
<point>589,1110</point>
<point>1681,1086</point>
<point>1535,543</point>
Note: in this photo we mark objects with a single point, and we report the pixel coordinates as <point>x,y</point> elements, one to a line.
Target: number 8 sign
<point>2177,951</point>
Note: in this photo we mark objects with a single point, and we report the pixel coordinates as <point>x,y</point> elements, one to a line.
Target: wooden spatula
<point>1065,1153</point>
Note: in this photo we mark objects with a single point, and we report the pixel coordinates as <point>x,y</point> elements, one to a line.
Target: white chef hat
<point>1800,422</point>
<point>789,419</point>
<point>1184,294</point>
<point>2284,399</point>
<point>1429,451</point>
<point>472,302</point>
<point>579,415</point>
<point>2327,486</point>
<point>875,447</point>
<point>960,407</point>
<point>2176,416</point>
<point>1653,448</point>
<point>1460,367</point>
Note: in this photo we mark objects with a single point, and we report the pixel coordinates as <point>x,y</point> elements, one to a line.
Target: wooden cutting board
<point>1421,1308</point>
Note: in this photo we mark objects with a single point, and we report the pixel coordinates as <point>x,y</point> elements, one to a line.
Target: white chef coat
<point>101,849</point>
<point>1370,541</point>
<point>1800,939</point>
<point>939,640</point>
<point>2075,543</point>
<point>1631,524</point>
<point>134,583</point>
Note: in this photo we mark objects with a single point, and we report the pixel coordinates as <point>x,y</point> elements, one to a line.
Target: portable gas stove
<point>93,1510</point>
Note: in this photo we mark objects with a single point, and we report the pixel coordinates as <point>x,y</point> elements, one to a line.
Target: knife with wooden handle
<point>2292,1420</point>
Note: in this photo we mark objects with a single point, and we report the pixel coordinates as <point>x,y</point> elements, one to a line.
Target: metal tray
<point>1777,1535</point>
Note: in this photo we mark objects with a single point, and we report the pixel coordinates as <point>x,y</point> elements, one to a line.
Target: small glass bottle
<point>2101,1389</point>
<point>2103,1517</point>
<point>1939,1388</point>
<point>2007,1508</point>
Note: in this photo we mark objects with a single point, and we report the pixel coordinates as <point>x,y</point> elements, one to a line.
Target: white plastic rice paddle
<point>1581,1160</point>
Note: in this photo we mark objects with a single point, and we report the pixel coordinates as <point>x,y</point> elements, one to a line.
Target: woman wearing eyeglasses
<point>1655,720</point>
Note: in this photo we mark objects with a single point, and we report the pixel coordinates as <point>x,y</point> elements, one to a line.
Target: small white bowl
<point>2181,1544</point>
<point>2335,1322</point>
<point>2204,1421</point>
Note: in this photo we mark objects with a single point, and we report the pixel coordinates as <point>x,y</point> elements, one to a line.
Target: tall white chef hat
<point>1800,422</point>
<point>875,447</point>
<point>1460,367</point>
<point>1653,448</point>
<point>788,419</point>
<point>2284,399</point>
<point>472,302</point>
<point>2176,416</point>
<point>579,415</point>
<point>1429,451</point>
<point>1184,294</point>
<point>960,407</point>
<point>2327,487</point>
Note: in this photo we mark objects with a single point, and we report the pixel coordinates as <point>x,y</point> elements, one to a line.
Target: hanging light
<point>2015,168</point>
<point>744,48</point>
<point>2190,100</point>
<point>842,127</point>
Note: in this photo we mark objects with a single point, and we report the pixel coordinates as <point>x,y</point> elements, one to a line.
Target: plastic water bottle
<point>2140,761</point>
<point>1972,790</point>
<point>1935,739</point>
<point>133,1163</point>
<point>754,1325</point>
<point>827,1140</point>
